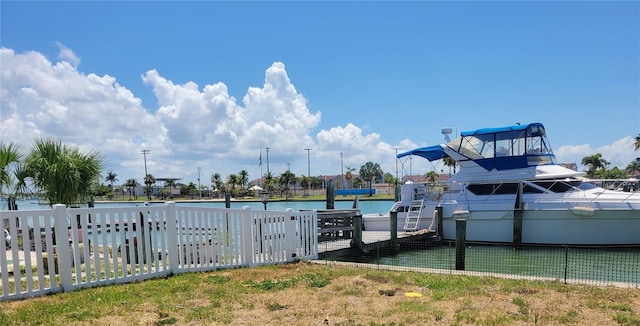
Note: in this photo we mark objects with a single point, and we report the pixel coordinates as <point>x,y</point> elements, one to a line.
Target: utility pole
<point>308,169</point>
<point>144,153</point>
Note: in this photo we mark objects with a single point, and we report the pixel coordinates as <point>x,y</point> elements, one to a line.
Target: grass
<point>311,294</point>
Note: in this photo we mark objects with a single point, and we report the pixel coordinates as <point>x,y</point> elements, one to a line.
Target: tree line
<point>64,174</point>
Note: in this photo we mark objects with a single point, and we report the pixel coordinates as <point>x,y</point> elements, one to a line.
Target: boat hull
<point>540,226</point>
<point>382,222</point>
<point>560,227</point>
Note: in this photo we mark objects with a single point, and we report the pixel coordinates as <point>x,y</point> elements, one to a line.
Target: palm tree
<point>232,181</point>
<point>593,163</point>
<point>432,176</point>
<point>216,180</point>
<point>632,167</point>
<point>285,180</point>
<point>9,156</point>
<point>131,184</point>
<point>63,174</point>
<point>243,179</point>
<point>636,144</point>
<point>269,181</point>
<point>21,175</point>
<point>148,181</point>
<point>450,162</point>
<point>369,171</point>
<point>111,178</point>
<point>349,176</point>
<point>170,183</point>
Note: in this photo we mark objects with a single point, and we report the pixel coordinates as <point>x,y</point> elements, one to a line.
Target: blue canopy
<point>431,153</point>
<point>484,131</point>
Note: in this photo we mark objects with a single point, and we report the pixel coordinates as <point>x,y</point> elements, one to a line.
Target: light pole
<point>144,153</point>
<point>199,187</point>
<point>341,170</point>
<point>308,169</point>
<point>396,165</point>
<point>267,160</point>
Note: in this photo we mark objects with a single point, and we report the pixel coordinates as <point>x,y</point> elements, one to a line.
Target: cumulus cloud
<point>192,126</point>
<point>41,98</point>
<point>197,126</point>
<point>620,153</point>
<point>67,55</point>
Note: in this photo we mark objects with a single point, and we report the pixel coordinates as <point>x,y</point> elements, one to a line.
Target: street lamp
<point>145,152</point>
<point>308,169</point>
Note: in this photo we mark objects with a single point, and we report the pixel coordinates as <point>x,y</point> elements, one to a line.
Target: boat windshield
<point>520,142</point>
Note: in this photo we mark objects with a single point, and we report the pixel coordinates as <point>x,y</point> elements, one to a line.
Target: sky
<point>206,87</point>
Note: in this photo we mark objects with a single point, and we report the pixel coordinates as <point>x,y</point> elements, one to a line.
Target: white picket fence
<point>124,244</point>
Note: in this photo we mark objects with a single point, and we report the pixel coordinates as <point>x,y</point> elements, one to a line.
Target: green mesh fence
<point>568,264</point>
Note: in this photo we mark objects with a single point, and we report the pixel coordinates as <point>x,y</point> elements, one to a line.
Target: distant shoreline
<point>222,200</point>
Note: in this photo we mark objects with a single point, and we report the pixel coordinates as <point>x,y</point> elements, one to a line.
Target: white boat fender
<point>582,211</point>
<point>461,214</point>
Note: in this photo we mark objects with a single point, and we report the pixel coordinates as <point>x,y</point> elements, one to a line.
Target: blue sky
<point>212,84</point>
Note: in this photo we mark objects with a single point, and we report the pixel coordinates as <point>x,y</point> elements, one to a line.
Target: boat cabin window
<point>493,189</point>
<point>512,188</point>
<point>558,186</point>
<point>527,189</point>
<point>402,209</point>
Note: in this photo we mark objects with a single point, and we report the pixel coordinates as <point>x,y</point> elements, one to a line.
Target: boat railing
<point>629,186</point>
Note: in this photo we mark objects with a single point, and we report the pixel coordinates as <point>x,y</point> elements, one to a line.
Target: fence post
<point>290,221</point>
<point>357,229</point>
<point>63,247</point>
<point>330,196</point>
<point>172,236</point>
<point>566,262</point>
<point>227,200</point>
<point>393,227</point>
<point>440,226</point>
<point>247,231</point>
<point>461,239</point>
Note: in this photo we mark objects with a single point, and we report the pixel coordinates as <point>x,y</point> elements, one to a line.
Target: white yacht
<point>510,189</point>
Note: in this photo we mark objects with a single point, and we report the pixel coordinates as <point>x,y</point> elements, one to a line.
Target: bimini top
<point>431,153</point>
<point>502,148</point>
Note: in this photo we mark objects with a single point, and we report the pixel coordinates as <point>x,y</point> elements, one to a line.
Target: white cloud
<point>192,127</point>
<point>67,55</point>
<point>196,126</point>
<point>619,154</point>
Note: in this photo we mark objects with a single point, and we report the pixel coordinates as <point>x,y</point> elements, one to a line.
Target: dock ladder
<point>412,220</point>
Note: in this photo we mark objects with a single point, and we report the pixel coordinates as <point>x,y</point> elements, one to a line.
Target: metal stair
<point>412,220</point>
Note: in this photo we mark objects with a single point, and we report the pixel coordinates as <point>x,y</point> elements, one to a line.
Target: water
<point>598,265</point>
<point>366,206</point>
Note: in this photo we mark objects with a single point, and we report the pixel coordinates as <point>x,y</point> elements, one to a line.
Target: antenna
<point>446,132</point>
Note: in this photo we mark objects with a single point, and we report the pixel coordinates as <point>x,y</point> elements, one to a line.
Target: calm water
<point>366,207</point>
<point>596,264</point>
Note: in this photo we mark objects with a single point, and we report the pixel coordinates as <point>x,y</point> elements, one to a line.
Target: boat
<point>510,189</point>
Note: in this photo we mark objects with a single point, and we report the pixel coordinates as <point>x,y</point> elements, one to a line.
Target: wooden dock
<point>371,241</point>
<point>340,233</point>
